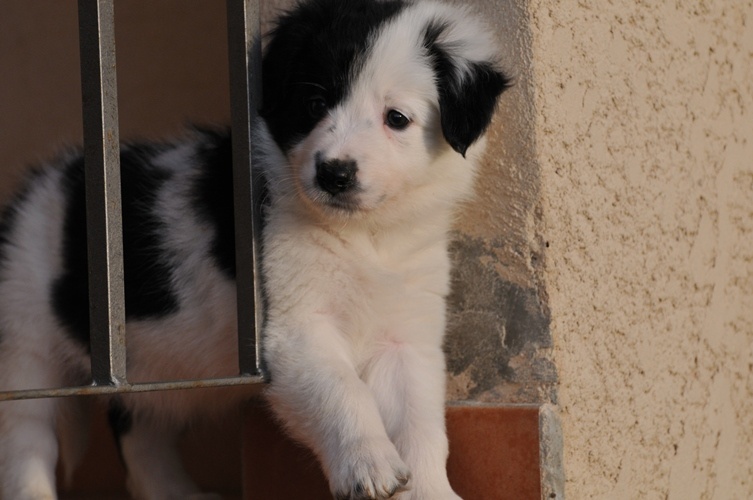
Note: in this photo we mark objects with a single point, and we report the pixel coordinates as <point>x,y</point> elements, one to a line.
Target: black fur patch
<point>119,418</point>
<point>121,422</point>
<point>213,195</point>
<point>466,105</point>
<point>147,272</point>
<point>315,51</point>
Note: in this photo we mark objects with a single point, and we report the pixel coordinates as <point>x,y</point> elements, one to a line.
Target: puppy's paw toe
<point>374,472</point>
<point>204,496</point>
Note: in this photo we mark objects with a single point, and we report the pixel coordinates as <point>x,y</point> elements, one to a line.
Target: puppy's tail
<point>74,420</point>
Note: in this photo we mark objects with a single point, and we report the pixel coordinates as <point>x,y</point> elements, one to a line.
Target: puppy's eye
<point>316,106</point>
<point>396,120</point>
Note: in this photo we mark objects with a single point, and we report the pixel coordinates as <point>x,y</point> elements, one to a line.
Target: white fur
<point>355,298</point>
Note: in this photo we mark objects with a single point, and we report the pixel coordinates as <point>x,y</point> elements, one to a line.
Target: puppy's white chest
<point>394,297</point>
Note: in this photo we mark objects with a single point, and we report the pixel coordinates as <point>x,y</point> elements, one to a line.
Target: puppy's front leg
<point>408,382</point>
<point>316,391</point>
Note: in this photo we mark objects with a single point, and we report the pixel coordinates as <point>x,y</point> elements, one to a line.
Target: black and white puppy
<point>373,121</point>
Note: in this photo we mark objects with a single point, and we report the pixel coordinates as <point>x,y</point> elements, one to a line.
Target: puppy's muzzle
<point>336,176</point>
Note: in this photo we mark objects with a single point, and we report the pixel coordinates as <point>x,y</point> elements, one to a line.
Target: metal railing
<point>103,204</point>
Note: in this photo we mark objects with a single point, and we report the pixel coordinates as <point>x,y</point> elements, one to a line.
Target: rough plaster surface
<point>644,124</point>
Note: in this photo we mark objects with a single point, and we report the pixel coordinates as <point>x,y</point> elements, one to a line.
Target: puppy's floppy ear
<point>468,80</point>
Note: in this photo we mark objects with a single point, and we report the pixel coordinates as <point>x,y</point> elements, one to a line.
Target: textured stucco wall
<point>644,129</point>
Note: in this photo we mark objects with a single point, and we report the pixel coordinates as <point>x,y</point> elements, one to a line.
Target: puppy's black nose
<point>336,176</point>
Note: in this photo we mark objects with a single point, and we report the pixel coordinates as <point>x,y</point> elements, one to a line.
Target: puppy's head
<point>366,98</point>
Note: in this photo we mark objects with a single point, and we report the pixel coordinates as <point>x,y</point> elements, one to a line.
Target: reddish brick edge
<point>494,455</point>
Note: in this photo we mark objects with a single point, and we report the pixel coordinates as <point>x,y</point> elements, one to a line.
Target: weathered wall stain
<point>496,331</point>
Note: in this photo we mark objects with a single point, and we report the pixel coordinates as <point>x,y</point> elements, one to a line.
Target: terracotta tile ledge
<point>494,455</point>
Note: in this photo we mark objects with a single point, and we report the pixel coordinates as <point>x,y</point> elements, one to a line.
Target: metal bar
<point>92,390</point>
<point>103,210</point>
<point>244,50</point>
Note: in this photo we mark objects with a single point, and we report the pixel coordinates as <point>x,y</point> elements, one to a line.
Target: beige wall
<point>644,130</point>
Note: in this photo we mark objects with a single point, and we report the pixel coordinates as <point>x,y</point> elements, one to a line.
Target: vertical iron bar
<point>244,50</point>
<point>103,210</point>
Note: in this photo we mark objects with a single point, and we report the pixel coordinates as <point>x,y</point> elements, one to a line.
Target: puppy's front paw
<point>372,470</point>
<point>204,496</point>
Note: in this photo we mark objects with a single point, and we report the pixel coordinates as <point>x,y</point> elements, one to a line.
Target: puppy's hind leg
<point>152,461</point>
<point>28,441</point>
